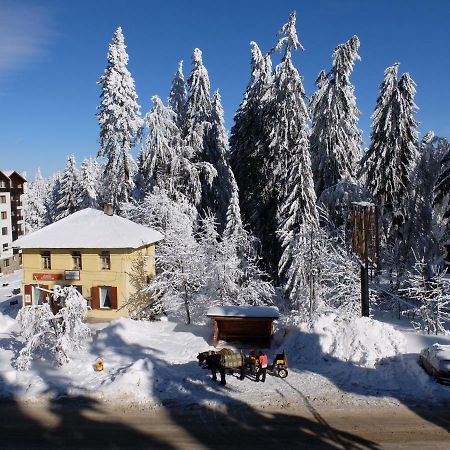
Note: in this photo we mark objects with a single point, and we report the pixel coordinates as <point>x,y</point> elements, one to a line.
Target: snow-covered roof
<point>243,311</point>
<point>8,173</point>
<point>90,228</point>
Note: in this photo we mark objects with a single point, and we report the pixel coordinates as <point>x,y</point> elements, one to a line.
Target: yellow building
<point>92,251</point>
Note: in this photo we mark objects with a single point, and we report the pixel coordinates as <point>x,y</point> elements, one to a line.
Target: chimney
<point>108,209</point>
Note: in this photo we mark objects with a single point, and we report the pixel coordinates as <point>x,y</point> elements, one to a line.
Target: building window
<point>2,183</point>
<point>4,231</point>
<point>38,295</point>
<point>76,260</point>
<point>5,246</point>
<point>45,260</point>
<point>2,198</point>
<point>4,215</point>
<point>6,262</point>
<point>105,297</point>
<point>105,261</point>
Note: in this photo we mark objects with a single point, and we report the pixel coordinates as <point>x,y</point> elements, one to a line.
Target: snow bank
<point>6,323</point>
<point>362,341</point>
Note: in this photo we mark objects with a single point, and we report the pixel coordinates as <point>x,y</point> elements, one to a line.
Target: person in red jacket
<point>262,367</point>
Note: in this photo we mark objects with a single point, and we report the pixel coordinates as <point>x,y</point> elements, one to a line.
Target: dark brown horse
<point>221,361</point>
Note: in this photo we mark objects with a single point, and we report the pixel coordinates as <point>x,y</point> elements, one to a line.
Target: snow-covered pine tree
<point>391,157</point>
<point>218,196</point>
<point>222,262</point>
<point>53,187</point>
<point>204,132</point>
<point>442,188</point>
<point>198,110</point>
<point>234,225</point>
<point>69,200</point>
<point>178,96</point>
<point>161,150</point>
<point>290,187</point>
<point>35,211</point>
<point>120,122</point>
<point>165,161</point>
<point>90,183</point>
<point>335,138</point>
<point>424,231</point>
<point>247,144</point>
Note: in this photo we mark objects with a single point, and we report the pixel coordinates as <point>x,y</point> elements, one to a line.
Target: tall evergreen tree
<point>161,150</point>
<point>391,157</point>
<point>178,96</point>
<point>120,121</point>
<point>165,162</point>
<point>90,183</point>
<point>198,110</point>
<point>442,188</point>
<point>69,200</point>
<point>204,132</point>
<point>425,229</point>
<point>290,183</point>
<point>247,145</point>
<point>35,211</point>
<point>335,137</point>
<point>219,194</point>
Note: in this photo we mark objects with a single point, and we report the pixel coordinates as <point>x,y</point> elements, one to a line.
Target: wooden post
<point>216,333</point>
<point>365,245</point>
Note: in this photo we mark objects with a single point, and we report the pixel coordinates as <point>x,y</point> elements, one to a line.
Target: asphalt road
<point>86,424</point>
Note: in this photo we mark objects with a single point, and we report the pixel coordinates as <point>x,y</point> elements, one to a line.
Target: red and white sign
<point>47,276</point>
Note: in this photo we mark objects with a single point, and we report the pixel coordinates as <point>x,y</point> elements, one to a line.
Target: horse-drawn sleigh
<point>225,359</point>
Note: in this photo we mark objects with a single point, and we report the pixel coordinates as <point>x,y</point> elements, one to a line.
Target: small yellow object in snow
<point>98,365</point>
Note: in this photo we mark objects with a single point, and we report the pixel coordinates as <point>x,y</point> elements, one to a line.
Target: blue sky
<point>53,52</point>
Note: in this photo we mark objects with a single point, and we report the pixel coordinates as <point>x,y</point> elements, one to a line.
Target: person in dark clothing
<point>262,367</point>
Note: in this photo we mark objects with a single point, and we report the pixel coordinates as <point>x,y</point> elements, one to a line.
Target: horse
<point>220,361</point>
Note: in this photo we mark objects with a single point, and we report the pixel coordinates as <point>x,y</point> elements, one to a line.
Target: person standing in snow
<point>262,367</point>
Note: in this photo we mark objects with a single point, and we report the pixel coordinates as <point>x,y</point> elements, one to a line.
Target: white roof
<point>90,228</point>
<point>243,311</point>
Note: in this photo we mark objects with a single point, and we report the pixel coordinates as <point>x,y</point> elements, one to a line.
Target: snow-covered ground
<point>335,362</point>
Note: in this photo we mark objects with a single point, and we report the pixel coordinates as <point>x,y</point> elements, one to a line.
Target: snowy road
<point>87,424</point>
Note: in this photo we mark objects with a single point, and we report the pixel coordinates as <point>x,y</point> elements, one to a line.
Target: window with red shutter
<point>95,297</point>
<point>113,291</point>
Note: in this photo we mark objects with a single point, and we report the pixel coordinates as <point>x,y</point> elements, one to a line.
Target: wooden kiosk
<point>242,323</point>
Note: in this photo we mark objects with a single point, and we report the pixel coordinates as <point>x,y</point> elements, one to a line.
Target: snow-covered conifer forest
<point>260,214</point>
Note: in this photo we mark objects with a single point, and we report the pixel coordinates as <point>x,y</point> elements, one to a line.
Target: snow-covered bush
<point>60,333</point>
<point>431,293</point>
<point>325,274</point>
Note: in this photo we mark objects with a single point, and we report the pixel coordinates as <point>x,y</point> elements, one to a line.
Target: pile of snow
<point>6,323</point>
<point>360,340</point>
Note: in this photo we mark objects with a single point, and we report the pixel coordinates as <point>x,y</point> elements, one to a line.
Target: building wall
<point>91,273</point>
<point>5,239</point>
<point>13,189</point>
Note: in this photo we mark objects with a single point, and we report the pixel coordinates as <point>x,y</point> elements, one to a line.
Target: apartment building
<point>12,192</point>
